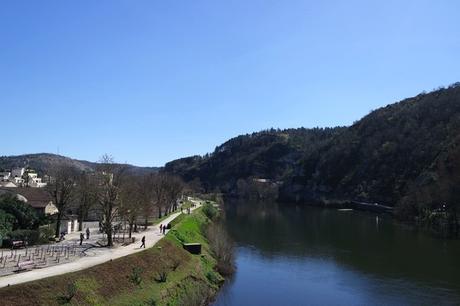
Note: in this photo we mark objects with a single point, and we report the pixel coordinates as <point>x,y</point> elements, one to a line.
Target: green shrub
<point>212,277</point>
<point>30,236</point>
<point>210,211</point>
<point>45,233</point>
<point>68,295</point>
<point>162,276</point>
<point>23,215</point>
<point>135,276</point>
<point>151,302</point>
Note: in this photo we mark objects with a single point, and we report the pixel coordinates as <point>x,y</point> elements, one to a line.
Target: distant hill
<point>403,153</point>
<point>271,154</point>
<point>43,162</point>
<point>381,155</point>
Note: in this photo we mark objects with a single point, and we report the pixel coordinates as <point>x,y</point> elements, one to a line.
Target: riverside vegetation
<point>405,155</point>
<point>165,274</point>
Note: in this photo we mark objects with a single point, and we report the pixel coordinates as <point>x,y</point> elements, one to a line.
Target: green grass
<point>190,278</point>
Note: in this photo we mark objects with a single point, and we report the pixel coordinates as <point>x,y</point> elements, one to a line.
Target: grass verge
<point>163,275</point>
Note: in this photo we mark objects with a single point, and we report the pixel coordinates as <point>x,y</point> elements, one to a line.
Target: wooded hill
<point>44,162</point>
<point>405,155</point>
<point>402,155</point>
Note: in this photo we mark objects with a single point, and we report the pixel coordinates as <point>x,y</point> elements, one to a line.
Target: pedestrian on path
<point>87,233</point>
<point>164,229</point>
<point>161,228</point>
<point>81,238</point>
<point>143,242</point>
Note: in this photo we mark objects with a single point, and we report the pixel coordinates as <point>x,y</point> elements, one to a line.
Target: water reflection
<point>336,257</point>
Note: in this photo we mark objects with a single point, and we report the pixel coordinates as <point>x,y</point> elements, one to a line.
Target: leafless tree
<point>174,187</point>
<point>131,201</point>
<point>61,189</point>
<point>158,195</point>
<point>110,178</point>
<point>147,197</point>
<point>86,195</point>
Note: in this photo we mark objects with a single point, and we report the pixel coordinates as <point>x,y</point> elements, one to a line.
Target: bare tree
<point>146,197</point>
<point>174,187</point>
<point>110,177</point>
<point>158,196</point>
<point>163,190</point>
<point>86,196</point>
<point>131,201</point>
<point>61,190</point>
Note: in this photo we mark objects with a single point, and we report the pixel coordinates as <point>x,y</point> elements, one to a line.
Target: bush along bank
<point>165,274</point>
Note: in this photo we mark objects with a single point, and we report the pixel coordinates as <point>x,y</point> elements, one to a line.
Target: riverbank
<point>165,274</point>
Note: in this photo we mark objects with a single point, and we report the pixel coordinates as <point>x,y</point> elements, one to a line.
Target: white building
<point>18,172</point>
<point>17,180</point>
<point>5,176</point>
<point>36,182</point>
<point>17,177</point>
<point>32,175</point>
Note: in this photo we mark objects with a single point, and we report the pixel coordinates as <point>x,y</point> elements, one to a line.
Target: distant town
<point>22,177</point>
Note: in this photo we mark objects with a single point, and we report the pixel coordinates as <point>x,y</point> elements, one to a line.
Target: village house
<point>37,198</point>
<point>21,177</point>
<point>40,200</point>
<point>5,176</point>
<point>18,181</point>
<point>18,172</point>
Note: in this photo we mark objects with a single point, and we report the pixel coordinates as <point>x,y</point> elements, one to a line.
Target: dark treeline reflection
<point>372,245</point>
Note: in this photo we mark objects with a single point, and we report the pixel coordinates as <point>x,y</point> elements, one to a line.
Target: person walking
<point>161,228</point>
<point>87,233</point>
<point>164,229</point>
<point>143,242</point>
<point>81,238</point>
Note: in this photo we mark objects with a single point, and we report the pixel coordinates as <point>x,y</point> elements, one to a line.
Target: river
<point>290,255</point>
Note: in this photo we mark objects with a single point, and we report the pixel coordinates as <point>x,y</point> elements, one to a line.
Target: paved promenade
<point>100,255</point>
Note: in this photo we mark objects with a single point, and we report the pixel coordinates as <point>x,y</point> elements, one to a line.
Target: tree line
<point>114,194</point>
<point>403,155</point>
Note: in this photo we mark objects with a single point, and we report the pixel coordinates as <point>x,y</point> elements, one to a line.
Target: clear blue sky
<point>151,81</point>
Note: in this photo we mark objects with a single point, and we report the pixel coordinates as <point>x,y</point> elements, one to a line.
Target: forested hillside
<point>405,155</point>
<point>397,155</point>
<point>44,162</point>
<point>272,154</point>
<point>379,155</point>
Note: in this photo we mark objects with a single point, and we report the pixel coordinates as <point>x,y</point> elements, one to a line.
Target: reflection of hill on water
<point>362,241</point>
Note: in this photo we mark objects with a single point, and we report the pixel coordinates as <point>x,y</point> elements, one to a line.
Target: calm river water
<point>313,256</point>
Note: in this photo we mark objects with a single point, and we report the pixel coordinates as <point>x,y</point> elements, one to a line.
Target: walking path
<point>152,236</point>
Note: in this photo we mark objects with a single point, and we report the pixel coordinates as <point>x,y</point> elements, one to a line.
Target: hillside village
<point>21,177</point>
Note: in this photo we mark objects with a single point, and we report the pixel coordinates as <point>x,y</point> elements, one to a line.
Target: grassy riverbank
<point>163,275</point>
